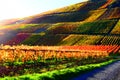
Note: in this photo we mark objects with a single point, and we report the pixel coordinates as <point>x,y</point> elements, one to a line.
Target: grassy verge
<point>30,67</point>
<point>63,74</point>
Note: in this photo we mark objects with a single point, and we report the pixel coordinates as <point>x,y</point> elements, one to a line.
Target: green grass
<point>18,68</point>
<point>63,74</point>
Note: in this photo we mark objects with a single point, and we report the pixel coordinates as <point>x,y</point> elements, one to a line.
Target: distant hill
<point>94,22</point>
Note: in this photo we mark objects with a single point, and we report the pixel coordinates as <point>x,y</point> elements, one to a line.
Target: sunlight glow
<point>22,8</point>
<point>12,9</point>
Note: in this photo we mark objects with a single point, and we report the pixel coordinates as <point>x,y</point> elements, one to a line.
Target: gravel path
<point>110,72</point>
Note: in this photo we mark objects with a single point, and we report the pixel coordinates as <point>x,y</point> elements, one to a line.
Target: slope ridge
<point>94,22</point>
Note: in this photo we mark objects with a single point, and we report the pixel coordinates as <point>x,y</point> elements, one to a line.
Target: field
<point>22,60</point>
<point>61,44</point>
<point>96,27</point>
<point>116,30</point>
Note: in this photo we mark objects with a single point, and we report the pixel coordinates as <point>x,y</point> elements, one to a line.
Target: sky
<point>23,8</point>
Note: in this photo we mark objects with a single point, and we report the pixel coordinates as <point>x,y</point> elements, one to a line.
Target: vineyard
<point>95,14</point>
<point>26,53</point>
<point>18,38</point>
<point>107,4</point>
<point>96,27</point>
<point>110,40</point>
<point>60,44</point>
<point>116,30</point>
<point>80,40</point>
<point>63,28</point>
<point>110,14</point>
<point>47,58</point>
<point>67,26</point>
<point>42,39</point>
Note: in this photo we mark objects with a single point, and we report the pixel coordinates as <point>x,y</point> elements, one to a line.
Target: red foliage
<point>18,38</point>
<point>107,48</point>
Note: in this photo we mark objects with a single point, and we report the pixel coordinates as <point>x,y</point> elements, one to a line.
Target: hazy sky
<point>22,8</point>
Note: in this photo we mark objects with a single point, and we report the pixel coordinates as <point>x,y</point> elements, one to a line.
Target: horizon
<point>23,8</point>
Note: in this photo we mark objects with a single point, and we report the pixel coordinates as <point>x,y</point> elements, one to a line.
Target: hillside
<point>94,22</point>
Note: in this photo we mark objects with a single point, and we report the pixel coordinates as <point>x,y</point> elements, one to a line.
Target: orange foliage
<point>26,53</point>
<point>106,4</point>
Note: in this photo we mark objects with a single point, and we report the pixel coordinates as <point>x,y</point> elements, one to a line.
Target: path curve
<point>110,72</point>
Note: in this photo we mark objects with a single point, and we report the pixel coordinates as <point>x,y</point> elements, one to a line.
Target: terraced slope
<point>116,29</point>
<point>102,26</point>
<point>93,22</point>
